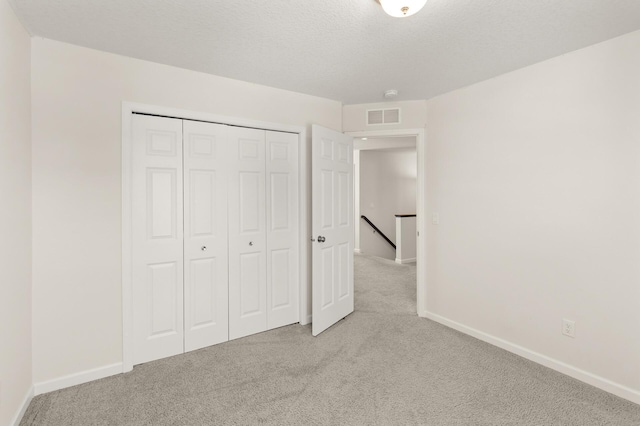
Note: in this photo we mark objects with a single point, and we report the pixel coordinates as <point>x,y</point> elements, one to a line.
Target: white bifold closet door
<point>247,233</point>
<point>215,234</point>
<point>263,231</point>
<point>283,229</point>
<point>157,238</point>
<point>180,260</point>
<point>206,277</point>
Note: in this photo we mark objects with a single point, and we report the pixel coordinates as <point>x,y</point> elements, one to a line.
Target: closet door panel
<point>157,238</point>
<point>247,235</point>
<point>249,283</point>
<point>282,229</point>
<point>205,227</point>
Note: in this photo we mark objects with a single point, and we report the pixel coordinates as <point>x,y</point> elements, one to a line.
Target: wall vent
<point>383,116</point>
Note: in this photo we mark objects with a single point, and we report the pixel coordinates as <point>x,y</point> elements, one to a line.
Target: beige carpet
<point>381,366</point>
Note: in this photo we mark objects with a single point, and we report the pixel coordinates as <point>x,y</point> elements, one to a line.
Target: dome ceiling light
<point>402,8</point>
<point>390,94</point>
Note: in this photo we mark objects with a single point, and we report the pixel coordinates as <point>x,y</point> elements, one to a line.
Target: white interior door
<point>247,233</point>
<point>205,234</point>
<point>157,238</point>
<point>332,227</point>
<point>282,229</point>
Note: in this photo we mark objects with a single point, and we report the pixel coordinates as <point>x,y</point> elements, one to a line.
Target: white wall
<point>77,95</point>
<point>15,215</point>
<point>536,177</point>
<point>406,228</point>
<point>387,188</point>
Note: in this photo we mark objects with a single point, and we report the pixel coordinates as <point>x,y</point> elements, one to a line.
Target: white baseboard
<point>403,261</point>
<point>571,371</point>
<point>77,378</point>
<point>356,250</point>
<point>23,408</point>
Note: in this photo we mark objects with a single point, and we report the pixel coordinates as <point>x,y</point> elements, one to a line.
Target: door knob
<point>203,248</point>
<point>250,243</point>
<point>321,239</point>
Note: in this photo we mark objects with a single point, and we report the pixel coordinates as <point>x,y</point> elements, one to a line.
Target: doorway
<point>417,137</point>
<point>385,179</point>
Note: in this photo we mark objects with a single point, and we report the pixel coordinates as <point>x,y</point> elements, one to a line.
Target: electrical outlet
<point>435,218</point>
<point>569,328</point>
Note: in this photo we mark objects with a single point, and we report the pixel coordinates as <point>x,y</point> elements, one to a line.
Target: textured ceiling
<point>347,50</point>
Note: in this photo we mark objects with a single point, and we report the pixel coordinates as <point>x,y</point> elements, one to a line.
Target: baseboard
<point>23,408</point>
<point>571,371</point>
<point>355,250</point>
<point>403,261</point>
<point>77,378</point>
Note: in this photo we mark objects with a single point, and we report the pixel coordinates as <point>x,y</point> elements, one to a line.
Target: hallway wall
<point>387,188</point>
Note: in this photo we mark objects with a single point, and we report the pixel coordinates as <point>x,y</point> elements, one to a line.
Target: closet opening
<point>214,226</point>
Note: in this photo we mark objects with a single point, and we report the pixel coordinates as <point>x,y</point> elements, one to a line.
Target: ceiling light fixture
<point>402,8</point>
<point>390,94</point>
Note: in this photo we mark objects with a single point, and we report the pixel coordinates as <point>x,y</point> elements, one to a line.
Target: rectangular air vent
<point>375,116</point>
<point>383,116</point>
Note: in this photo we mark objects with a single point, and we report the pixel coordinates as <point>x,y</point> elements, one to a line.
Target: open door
<point>332,227</point>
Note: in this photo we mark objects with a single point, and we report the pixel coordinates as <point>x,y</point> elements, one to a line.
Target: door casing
<point>421,206</point>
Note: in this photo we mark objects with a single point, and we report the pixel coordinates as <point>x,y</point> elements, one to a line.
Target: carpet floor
<point>382,365</point>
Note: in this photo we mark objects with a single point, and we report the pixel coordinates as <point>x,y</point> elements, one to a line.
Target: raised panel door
<point>332,227</point>
<point>283,259</point>
<point>157,238</point>
<point>205,153</point>
<point>247,233</point>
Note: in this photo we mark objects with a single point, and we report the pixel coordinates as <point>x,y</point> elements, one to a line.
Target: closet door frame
<point>131,108</point>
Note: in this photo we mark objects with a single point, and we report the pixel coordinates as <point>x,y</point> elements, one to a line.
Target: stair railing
<point>375,229</point>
